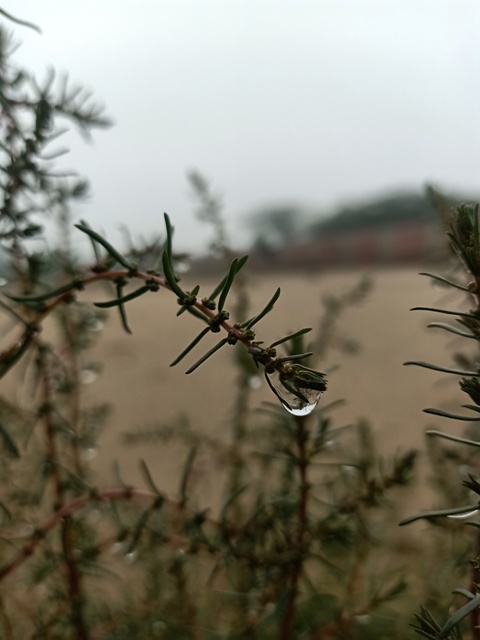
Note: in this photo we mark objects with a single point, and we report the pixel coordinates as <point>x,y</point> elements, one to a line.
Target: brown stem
<point>74,582</point>
<point>37,317</point>
<point>354,581</point>
<point>74,395</point>
<point>73,575</point>
<point>302,524</point>
<point>67,510</point>
<point>46,412</point>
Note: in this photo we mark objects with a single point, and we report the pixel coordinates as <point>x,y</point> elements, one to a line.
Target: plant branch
<point>302,529</point>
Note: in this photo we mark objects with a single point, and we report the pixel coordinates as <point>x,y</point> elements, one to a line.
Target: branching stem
<point>302,526</point>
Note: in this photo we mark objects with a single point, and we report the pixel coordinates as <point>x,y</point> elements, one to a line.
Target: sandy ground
<point>144,391</point>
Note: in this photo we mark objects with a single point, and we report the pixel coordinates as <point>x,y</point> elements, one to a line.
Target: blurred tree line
<point>276,227</point>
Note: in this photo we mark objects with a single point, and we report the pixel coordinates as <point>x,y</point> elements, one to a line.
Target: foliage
<point>297,547</point>
<point>464,235</point>
<point>265,546</point>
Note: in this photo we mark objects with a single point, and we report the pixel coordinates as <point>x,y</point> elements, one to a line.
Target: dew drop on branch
<point>291,402</point>
<point>89,454</point>
<point>131,557</point>
<point>301,410</point>
<point>87,376</point>
<point>254,382</point>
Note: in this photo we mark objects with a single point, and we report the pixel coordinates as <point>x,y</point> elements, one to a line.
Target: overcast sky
<point>299,101</point>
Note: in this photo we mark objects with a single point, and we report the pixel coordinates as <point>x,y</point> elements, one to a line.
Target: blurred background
<point>292,110</point>
<point>306,131</point>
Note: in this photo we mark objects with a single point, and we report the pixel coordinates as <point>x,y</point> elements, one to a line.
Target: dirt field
<point>144,391</point>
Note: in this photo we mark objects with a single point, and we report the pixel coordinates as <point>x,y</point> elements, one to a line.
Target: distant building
<point>407,242</point>
<point>398,229</point>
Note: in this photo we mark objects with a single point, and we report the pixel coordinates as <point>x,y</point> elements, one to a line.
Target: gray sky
<point>310,102</point>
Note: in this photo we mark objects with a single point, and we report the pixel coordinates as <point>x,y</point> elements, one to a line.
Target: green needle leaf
<point>23,23</point>
<point>121,308</point>
<point>447,436</point>
<point>214,349</point>
<point>119,301</point>
<point>446,311</point>
<point>148,477</point>
<point>198,314</point>
<point>8,441</point>
<point>452,416</point>
<point>464,592</point>
<point>450,329</point>
<point>241,263</point>
<point>266,310</point>
<point>231,499</point>
<point>472,407</point>
<point>445,281</point>
<point>296,357</point>
<point>76,284</point>
<point>118,475</point>
<point>228,283</point>
<point>170,276</point>
<point>186,474</point>
<point>193,344</point>
<point>111,250</point>
<point>9,358</point>
<point>98,257</point>
<point>141,524</point>
<point>430,515</point>
<point>292,336</point>
<point>434,367</point>
<point>220,286</point>
<point>459,615</point>
<point>169,228</point>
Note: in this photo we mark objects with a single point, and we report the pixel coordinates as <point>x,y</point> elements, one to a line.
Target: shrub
<point>295,549</point>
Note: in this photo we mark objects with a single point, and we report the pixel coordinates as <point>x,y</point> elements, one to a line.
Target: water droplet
<point>131,557</point>
<point>97,325</point>
<point>292,403</point>
<point>254,382</point>
<point>117,547</point>
<point>363,619</point>
<point>89,454</point>
<point>349,469</point>
<point>301,409</point>
<point>87,376</point>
